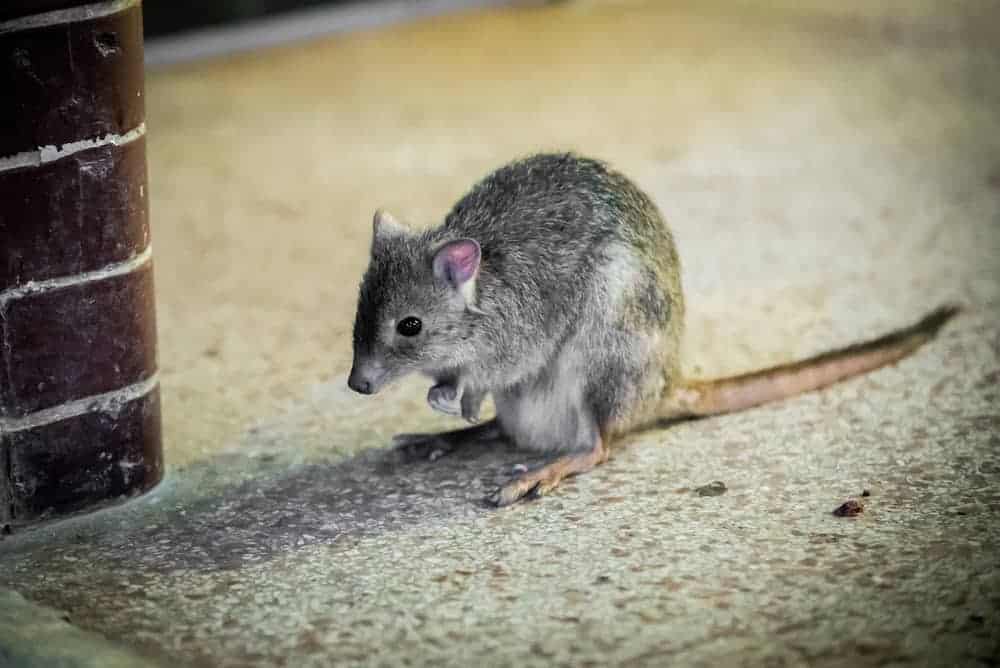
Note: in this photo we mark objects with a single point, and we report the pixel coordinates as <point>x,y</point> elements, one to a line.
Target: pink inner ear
<point>457,261</point>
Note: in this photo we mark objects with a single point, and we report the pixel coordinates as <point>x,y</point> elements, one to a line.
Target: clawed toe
<point>445,407</point>
<point>514,491</point>
<point>444,399</point>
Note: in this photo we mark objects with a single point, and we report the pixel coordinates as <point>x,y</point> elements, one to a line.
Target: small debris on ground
<point>6,530</point>
<point>716,488</point>
<point>865,493</point>
<point>849,509</point>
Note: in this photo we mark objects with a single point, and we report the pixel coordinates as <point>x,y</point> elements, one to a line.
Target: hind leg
<point>543,480</point>
<point>435,446</point>
<point>551,415</point>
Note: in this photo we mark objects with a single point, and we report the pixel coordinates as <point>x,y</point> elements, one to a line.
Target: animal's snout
<point>365,380</point>
<point>360,385</point>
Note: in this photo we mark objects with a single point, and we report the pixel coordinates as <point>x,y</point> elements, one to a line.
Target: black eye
<point>409,326</point>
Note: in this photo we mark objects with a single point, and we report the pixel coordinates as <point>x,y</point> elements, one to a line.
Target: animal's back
<point>556,217</point>
<point>561,197</point>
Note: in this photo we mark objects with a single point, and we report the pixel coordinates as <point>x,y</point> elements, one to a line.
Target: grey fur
<point>576,315</point>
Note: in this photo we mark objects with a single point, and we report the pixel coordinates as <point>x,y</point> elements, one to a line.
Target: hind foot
<point>543,480</point>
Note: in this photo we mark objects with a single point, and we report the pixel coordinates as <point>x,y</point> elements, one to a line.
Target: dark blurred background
<point>166,17</point>
<point>190,30</point>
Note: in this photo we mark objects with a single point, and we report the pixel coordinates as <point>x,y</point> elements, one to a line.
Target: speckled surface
<point>829,174</point>
<point>41,637</point>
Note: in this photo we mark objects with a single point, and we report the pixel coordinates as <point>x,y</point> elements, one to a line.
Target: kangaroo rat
<point>554,284</point>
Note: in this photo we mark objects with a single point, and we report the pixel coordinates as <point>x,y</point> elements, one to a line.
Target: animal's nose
<point>359,384</point>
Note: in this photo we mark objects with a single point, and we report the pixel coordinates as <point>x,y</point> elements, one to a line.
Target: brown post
<point>79,399</point>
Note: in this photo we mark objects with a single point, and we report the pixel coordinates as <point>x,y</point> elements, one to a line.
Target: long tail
<point>727,395</point>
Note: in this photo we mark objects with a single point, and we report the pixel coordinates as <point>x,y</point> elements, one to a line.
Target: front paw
<point>470,406</point>
<point>444,399</point>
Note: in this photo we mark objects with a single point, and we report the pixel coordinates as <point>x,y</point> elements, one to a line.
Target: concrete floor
<point>829,173</point>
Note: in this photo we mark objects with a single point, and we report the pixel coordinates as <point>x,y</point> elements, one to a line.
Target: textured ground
<point>829,174</point>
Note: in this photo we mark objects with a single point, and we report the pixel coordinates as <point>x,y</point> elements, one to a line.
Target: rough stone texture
<point>830,172</point>
<point>69,464</point>
<point>73,81</point>
<point>77,214</point>
<point>39,637</point>
<point>77,341</point>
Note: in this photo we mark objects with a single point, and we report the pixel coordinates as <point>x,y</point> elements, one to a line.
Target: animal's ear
<point>456,263</point>
<point>385,225</point>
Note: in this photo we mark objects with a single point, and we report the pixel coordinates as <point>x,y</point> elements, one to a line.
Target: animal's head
<point>417,305</point>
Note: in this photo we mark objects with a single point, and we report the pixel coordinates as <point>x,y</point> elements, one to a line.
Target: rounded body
<point>580,286</point>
